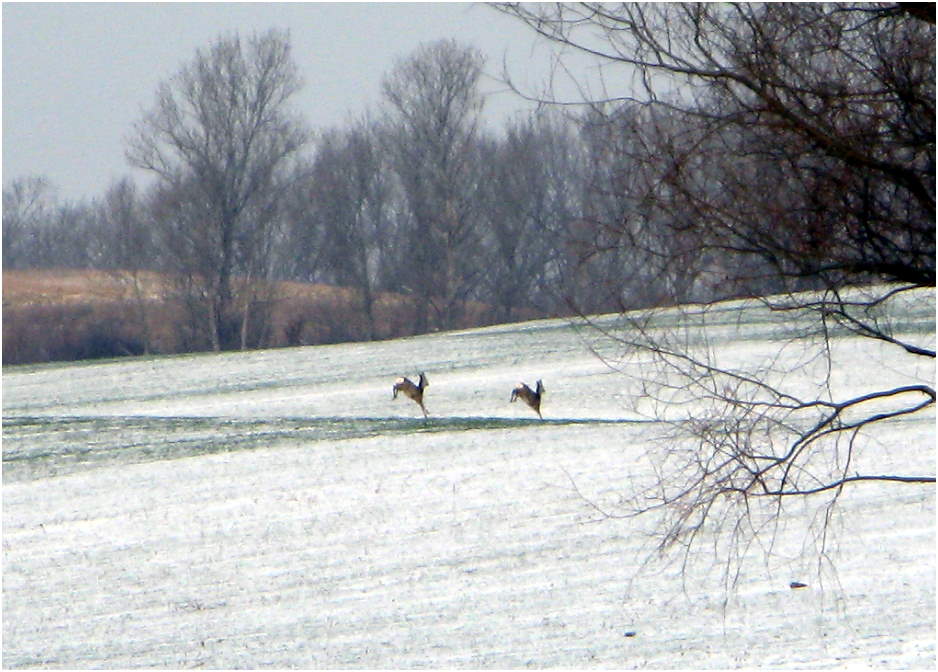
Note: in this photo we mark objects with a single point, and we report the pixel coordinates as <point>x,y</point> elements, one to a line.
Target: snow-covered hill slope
<point>279,509</point>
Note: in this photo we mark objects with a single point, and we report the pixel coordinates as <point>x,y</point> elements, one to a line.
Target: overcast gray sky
<point>77,76</point>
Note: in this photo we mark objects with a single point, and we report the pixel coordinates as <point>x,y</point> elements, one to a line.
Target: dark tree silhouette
<point>785,148</point>
<point>220,136</point>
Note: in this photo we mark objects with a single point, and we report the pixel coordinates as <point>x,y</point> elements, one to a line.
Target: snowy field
<point>279,509</point>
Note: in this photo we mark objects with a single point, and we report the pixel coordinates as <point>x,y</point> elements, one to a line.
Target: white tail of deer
<point>412,391</point>
<point>531,397</point>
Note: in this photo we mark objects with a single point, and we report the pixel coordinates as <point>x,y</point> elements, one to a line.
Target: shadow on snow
<point>42,446</point>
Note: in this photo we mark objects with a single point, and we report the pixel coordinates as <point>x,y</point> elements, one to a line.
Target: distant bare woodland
<point>756,151</point>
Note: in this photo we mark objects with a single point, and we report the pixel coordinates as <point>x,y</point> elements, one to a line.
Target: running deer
<point>531,397</point>
<point>414,392</point>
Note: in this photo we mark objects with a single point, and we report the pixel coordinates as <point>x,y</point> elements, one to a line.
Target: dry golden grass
<point>66,314</point>
<point>69,286</point>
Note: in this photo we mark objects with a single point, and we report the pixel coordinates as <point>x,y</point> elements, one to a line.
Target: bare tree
<point>28,205</point>
<point>40,231</point>
<point>837,102</point>
<point>221,134</point>
<point>350,202</point>
<point>126,249</point>
<point>300,253</point>
<point>532,195</point>
<point>431,135</point>
<point>45,232</point>
<point>790,147</point>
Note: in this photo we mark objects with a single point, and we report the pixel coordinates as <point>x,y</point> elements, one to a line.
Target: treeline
<point>418,199</point>
<point>619,205</point>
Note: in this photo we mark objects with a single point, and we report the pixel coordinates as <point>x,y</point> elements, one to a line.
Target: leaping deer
<point>531,397</point>
<point>415,392</point>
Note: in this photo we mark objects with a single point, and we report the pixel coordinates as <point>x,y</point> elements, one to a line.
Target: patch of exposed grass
<point>39,447</point>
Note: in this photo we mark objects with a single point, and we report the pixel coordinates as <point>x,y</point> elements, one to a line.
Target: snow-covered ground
<point>279,509</point>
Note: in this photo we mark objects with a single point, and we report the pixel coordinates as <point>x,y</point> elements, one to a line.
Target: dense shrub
<point>43,333</point>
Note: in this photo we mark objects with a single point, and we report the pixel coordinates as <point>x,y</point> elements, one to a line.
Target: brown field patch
<point>65,286</point>
<point>64,314</point>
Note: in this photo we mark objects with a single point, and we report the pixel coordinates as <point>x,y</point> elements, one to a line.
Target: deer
<point>531,397</point>
<point>412,391</point>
